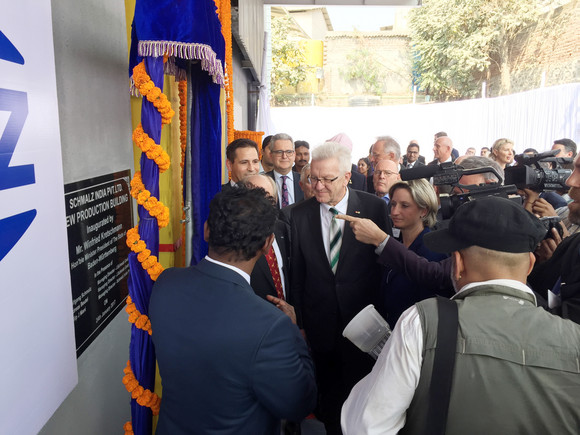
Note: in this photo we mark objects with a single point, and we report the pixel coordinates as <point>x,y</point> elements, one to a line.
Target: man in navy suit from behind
<point>230,362</point>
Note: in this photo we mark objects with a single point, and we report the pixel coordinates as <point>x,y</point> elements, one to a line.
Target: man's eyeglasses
<point>325,181</point>
<point>385,173</point>
<point>280,152</point>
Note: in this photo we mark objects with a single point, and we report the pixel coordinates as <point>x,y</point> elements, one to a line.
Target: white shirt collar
<point>229,266</point>
<point>341,206</point>
<point>290,175</point>
<point>505,282</point>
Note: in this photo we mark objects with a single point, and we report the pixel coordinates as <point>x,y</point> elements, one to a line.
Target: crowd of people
<point>484,306</point>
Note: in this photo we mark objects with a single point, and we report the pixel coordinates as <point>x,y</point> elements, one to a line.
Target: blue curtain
<point>141,351</point>
<point>206,156</point>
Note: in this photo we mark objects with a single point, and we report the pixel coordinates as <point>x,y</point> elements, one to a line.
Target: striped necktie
<point>335,240</point>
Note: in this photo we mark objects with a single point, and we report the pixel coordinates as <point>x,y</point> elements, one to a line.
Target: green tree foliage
<point>362,67</point>
<point>456,41</point>
<point>289,65</point>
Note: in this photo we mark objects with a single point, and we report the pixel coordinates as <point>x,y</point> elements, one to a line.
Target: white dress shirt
<point>289,185</point>
<point>379,402</point>
<point>326,218</point>
<point>280,262</point>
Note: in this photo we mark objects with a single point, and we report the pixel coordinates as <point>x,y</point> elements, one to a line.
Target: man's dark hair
<point>484,148</point>
<point>240,143</point>
<point>266,141</point>
<point>530,150</point>
<point>440,134</point>
<point>240,220</point>
<point>569,145</point>
<point>301,143</point>
<point>413,144</point>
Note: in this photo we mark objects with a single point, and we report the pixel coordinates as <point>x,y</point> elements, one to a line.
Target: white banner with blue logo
<point>38,363</point>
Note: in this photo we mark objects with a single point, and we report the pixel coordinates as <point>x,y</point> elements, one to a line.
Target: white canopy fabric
<point>531,119</point>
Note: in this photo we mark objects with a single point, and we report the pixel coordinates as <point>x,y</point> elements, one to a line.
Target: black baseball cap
<point>490,222</point>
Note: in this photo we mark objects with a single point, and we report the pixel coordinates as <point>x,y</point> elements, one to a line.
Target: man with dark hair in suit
<point>230,362</point>
<point>302,149</point>
<point>241,160</point>
<point>287,180</point>
<point>412,158</point>
<point>333,275</point>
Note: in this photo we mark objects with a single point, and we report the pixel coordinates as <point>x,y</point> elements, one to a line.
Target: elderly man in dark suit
<point>287,180</point>
<point>230,362</point>
<point>271,275</point>
<point>333,275</point>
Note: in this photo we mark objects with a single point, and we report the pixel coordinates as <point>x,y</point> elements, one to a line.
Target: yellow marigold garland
<point>141,321</point>
<point>153,94</point>
<point>148,262</point>
<point>148,146</point>
<point>155,207</point>
<point>144,397</point>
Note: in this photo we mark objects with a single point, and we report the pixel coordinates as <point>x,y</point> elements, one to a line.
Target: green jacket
<point>517,368</point>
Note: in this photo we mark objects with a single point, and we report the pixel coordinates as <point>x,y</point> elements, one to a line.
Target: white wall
<point>91,67</point>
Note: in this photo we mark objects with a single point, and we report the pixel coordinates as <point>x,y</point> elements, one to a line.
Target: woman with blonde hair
<point>502,152</point>
<point>413,209</point>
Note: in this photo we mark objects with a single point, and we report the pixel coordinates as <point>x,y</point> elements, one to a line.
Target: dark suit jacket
<point>298,194</point>
<point>325,303</point>
<point>231,363</point>
<point>416,165</point>
<point>261,278</point>
<point>226,186</point>
<point>357,180</point>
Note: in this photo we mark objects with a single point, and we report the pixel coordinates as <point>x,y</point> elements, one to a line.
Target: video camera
<point>449,174</point>
<point>531,173</point>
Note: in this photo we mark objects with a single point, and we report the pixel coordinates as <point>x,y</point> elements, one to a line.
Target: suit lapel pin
<point>356,212</point>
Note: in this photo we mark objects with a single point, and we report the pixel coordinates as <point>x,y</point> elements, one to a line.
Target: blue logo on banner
<point>13,228</point>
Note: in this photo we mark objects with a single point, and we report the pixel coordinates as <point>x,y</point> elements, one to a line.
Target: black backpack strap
<point>443,364</point>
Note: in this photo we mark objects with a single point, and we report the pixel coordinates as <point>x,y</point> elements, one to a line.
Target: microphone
<point>426,171</point>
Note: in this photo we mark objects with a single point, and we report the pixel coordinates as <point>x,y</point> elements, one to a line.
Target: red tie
<point>273,265</point>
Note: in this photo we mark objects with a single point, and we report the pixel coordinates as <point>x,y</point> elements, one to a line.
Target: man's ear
<point>267,244</point>
<point>205,231</point>
<point>532,263</point>
<point>229,165</point>
<point>459,265</point>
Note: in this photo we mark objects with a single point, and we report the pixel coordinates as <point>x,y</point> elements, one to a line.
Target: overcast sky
<point>362,17</point>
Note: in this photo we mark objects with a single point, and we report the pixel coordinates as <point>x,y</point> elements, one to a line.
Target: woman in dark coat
<point>413,209</point>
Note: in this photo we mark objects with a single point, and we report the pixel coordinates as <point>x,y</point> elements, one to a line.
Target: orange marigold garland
<point>149,147</point>
<point>224,12</point>
<point>143,396</point>
<point>141,321</point>
<point>153,94</point>
<point>155,207</point>
<point>148,262</point>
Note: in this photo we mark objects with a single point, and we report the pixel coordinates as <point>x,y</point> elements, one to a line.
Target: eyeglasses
<point>412,152</point>
<point>280,152</point>
<point>385,173</point>
<point>325,181</point>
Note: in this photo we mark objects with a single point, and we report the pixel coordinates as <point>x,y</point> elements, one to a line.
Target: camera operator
<point>558,279</point>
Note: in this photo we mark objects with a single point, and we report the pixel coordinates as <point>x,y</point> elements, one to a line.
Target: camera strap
<point>443,365</point>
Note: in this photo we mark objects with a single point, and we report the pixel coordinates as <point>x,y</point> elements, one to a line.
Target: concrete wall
<point>91,68</point>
